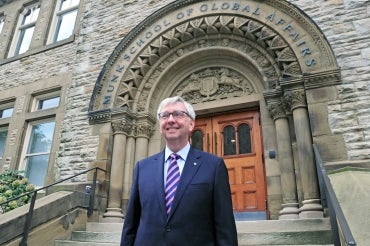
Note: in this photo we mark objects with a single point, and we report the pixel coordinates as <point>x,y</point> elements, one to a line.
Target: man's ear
<point>192,125</point>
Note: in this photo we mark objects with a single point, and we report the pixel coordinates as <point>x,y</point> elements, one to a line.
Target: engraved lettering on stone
<point>143,56</point>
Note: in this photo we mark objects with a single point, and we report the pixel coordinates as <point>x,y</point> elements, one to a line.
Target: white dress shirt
<point>183,153</point>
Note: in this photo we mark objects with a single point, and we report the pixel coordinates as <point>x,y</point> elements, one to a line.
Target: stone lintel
<point>322,79</point>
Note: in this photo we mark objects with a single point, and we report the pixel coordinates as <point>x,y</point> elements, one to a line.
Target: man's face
<point>176,129</point>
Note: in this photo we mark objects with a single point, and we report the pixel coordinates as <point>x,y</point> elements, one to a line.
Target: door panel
<point>236,138</point>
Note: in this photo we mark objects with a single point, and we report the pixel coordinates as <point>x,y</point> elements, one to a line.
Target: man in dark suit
<point>181,199</point>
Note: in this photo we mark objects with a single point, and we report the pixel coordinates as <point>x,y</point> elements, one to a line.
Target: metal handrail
<point>90,208</point>
<point>329,200</point>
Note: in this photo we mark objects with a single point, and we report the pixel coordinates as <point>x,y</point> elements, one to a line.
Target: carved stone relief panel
<point>214,83</point>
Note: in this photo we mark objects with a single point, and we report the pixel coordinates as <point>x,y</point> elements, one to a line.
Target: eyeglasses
<point>177,114</point>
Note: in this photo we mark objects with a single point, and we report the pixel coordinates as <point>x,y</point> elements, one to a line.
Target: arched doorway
<point>236,137</point>
<point>220,56</point>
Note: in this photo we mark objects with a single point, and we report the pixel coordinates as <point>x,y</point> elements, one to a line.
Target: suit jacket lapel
<point>158,176</point>
<point>191,167</point>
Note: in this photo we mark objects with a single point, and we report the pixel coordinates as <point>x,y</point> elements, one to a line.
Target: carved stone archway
<point>209,51</point>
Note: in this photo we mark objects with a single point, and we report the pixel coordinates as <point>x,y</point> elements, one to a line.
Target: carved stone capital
<point>122,127</point>
<point>277,110</point>
<point>144,130</point>
<point>295,99</point>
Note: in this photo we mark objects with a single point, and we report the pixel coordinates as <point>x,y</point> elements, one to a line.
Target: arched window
<point>237,141</point>
<point>197,139</point>
<point>244,139</point>
<point>229,141</point>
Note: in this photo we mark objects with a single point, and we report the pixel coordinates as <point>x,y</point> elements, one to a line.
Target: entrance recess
<point>236,137</point>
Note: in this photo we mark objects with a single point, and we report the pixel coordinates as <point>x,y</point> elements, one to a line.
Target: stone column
<point>288,180</point>
<point>311,205</point>
<point>143,133</point>
<point>128,167</point>
<point>114,210</point>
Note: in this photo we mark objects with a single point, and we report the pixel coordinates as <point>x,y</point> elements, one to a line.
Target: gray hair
<point>177,99</point>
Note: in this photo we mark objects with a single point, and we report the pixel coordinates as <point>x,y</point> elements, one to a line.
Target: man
<point>192,206</point>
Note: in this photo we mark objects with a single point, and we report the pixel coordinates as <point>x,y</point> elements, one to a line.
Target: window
<point>39,136</point>
<point>237,141</point>
<point>24,33</point>
<point>3,135</point>
<point>197,139</point>
<point>46,101</point>
<point>244,139</point>
<point>2,20</point>
<point>6,113</point>
<point>229,141</point>
<point>6,109</point>
<point>36,160</point>
<point>64,20</point>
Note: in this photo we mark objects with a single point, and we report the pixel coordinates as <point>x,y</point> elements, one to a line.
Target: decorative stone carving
<point>266,43</point>
<point>295,99</point>
<point>122,127</point>
<point>144,130</point>
<point>214,84</point>
<point>277,110</point>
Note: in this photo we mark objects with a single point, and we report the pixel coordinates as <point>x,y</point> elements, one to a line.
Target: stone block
<point>273,185</point>
<point>331,147</point>
<point>319,119</point>
<point>320,95</point>
<point>352,188</point>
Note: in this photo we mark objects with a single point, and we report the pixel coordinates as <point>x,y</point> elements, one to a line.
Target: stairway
<point>309,232</point>
<point>96,234</point>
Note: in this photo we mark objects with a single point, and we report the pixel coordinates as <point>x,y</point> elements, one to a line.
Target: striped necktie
<point>173,177</point>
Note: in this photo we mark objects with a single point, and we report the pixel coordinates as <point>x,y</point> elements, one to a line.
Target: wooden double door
<point>236,137</point>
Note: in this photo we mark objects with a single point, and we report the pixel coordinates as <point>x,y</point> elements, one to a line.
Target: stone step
<point>97,233</point>
<point>285,232</point>
<point>104,227</point>
<point>74,243</point>
<point>309,232</point>
<point>288,238</point>
<point>104,237</point>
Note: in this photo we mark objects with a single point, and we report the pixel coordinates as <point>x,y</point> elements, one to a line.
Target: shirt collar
<point>182,152</point>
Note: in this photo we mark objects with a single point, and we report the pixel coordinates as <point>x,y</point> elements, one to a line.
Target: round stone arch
<point>275,52</point>
<point>288,47</point>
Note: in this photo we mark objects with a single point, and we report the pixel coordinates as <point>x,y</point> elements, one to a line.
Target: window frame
<point>23,164</point>
<point>4,109</point>
<point>5,106</point>
<point>21,28</point>
<point>44,96</point>
<point>2,22</point>
<point>54,30</point>
<point>3,129</point>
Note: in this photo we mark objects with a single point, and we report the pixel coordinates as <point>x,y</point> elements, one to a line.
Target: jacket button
<point>168,229</point>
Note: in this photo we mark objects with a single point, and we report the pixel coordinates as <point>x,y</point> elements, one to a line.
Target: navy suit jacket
<point>201,213</point>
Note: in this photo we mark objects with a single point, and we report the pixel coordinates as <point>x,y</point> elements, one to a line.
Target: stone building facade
<point>302,67</point>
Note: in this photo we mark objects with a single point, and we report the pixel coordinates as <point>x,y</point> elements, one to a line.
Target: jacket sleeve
<point>132,216</point>
<point>224,222</point>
